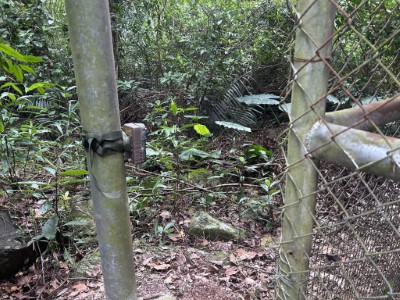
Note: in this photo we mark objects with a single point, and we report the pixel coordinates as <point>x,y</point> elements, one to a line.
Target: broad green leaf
<point>10,66</point>
<point>18,74</point>
<point>174,108</point>
<point>50,170</point>
<point>49,229</point>
<point>24,58</point>
<point>28,69</point>
<point>39,86</point>
<point>286,107</point>
<point>10,51</point>
<point>151,152</point>
<point>201,129</point>
<point>34,86</point>
<point>9,95</point>
<point>260,99</point>
<point>13,86</point>
<point>45,207</point>
<point>193,152</point>
<point>233,125</point>
<point>41,90</point>
<point>74,173</point>
<point>31,59</point>
<point>333,99</point>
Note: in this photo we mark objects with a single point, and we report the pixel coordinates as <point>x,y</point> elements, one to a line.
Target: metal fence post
<point>90,34</point>
<point>313,47</point>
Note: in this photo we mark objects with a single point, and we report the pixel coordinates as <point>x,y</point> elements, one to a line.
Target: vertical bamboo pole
<point>90,34</point>
<point>316,20</point>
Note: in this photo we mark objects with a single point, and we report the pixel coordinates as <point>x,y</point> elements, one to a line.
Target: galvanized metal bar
<point>90,34</point>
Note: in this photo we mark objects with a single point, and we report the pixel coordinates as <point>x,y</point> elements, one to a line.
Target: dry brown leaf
<point>249,281</point>
<point>178,236</point>
<point>165,214</point>
<point>14,288</point>
<point>161,267</point>
<point>79,287</point>
<point>168,280</point>
<point>181,259</point>
<point>245,255</point>
<point>231,271</point>
<point>233,259</point>
<point>204,243</point>
<point>267,240</point>
<point>63,265</point>
<point>194,256</point>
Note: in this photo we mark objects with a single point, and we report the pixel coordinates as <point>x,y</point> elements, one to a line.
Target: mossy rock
<point>206,226</point>
<point>86,265</point>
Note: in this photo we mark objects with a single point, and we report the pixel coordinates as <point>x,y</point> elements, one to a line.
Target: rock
<point>86,265</point>
<point>14,253</point>
<point>204,225</point>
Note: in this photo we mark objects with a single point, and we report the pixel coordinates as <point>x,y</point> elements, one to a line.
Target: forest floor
<point>177,264</point>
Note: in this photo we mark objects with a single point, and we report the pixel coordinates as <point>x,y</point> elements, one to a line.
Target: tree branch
<point>366,117</point>
<point>355,149</point>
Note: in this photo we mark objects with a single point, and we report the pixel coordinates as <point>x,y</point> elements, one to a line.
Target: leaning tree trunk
<point>313,47</point>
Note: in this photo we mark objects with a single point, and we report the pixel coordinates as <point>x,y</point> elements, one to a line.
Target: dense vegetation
<point>175,61</point>
<point>181,64</point>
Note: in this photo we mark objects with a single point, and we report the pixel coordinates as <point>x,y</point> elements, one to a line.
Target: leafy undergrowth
<point>169,260</point>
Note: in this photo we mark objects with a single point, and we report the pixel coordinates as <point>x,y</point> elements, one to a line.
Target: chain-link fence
<point>341,217</point>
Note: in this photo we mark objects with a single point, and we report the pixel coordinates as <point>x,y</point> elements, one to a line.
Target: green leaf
<point>233,125</point>
<point>193,152</point>
<point>201,129</point>
<point>34,184</point>
<point>45,207</point>
<point>77,222</point>
<point>31,59</point>
<point>10,66</point>
<point>174,108</point>
<point>24,58</point>
<point>260,99</point>
<point>10,51</point>
<point>13,86</point>
<point>28,69</point>
<point>18,74</point>
<point>190,108</point>
<point>151,152</point>
<point>49,229</point>
<point>333,99</point>
<point>50,170</point>
<point>39,86</point>
<point>9,95</point>
<point>286,107</point>
<point>74,173</point>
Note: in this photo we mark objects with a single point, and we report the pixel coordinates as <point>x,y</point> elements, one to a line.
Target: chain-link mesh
<point>341,216</point>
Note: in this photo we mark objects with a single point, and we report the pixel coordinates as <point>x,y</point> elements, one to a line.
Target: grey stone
<point>204,225</point>
<point>86,265</point>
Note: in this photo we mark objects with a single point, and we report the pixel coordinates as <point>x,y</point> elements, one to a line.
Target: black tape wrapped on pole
<point>91,44</point>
